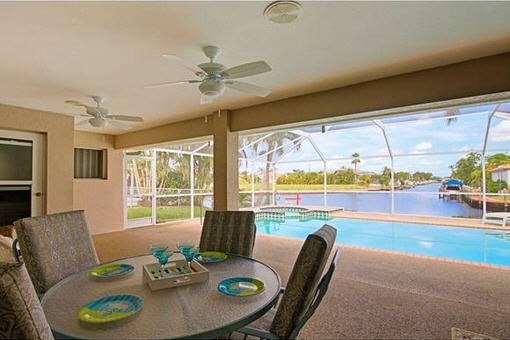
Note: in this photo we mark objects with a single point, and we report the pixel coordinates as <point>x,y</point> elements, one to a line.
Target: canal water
<point>420,200</point>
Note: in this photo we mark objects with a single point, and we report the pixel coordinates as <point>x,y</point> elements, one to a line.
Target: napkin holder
<point>175,275</point>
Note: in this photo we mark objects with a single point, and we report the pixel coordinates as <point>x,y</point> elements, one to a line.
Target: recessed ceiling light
<point>282,12</point>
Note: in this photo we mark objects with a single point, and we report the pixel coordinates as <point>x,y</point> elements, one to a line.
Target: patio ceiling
<point>56,51</point>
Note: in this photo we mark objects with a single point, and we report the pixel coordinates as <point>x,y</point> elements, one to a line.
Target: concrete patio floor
<point>374,294</point>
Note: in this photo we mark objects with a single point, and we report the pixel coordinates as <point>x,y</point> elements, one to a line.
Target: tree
<point>419,176</point>
<point>451,116</point>
<point>465,167</point>
<point>273,148</point>
<point>402,176</point>
<point>385,178</point>
<point>469,169</point>
<point>342,176</point>
<point>355,161</point>
<point>496,160</point>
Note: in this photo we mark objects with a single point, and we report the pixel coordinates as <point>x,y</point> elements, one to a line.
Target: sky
<point>408,139</point>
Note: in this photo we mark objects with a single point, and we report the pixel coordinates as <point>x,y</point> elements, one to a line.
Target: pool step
<point>279,214</point>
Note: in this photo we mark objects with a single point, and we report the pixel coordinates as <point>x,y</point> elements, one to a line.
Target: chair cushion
<point>303,280</point>
<point>55,246</point>
<point>21,314</point>
<point>229,232</point>
<point>6,249</point>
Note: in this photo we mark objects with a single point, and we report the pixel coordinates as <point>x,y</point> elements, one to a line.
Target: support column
<point>226,159</point>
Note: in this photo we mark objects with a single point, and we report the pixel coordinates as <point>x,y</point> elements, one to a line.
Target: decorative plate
<point>112,270</point>
<point>241,286</point>
<point>211,256</point>
<point>110,308</point>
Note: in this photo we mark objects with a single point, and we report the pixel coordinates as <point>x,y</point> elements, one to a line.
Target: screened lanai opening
<point>401,164</point>
<point>168,183</point>
<point>396,164</point>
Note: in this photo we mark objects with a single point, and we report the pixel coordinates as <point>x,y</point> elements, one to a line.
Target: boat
<point>451,188</point>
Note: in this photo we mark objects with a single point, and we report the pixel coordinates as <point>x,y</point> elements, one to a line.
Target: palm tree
<point>355,161</point>
<point>271,147</point>
<point>451,115</point>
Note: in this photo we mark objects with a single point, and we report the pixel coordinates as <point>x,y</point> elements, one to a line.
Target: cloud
<point>423,146</point>
<point>429,163</point>
<point>465,148</point>
<point>501,133</point>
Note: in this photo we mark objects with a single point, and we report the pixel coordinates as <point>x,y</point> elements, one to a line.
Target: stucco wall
<point>59,131</point>
<point>101,198</point>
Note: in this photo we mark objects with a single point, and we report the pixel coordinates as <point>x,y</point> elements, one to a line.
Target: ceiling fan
<point>215,77</point>
<point>101,116</point>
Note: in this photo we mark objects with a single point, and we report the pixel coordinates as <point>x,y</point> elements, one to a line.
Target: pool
<point>485,246</point>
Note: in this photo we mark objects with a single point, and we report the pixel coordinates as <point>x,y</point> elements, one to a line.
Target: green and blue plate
<point>211,256</point>
<point>111,270</point>
<point>241,286</point>
<point>110,308</point>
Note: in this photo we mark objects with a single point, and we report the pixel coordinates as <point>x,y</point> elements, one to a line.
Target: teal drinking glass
<point>185,245</point>
<point>163,257</point>
<point>157,248</point>
<point>189,254</point>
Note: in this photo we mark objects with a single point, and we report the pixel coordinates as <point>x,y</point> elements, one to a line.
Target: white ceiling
<point>54,51</point>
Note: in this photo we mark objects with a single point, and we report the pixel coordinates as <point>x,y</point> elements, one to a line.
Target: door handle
<point>38,194</point>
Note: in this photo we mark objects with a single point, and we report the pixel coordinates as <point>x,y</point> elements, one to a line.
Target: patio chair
<point>229,232</point>
<point>497,218</point>
<point>6,248</point>
<point>55,246</point>
<point>21,311</point>
<point>303,293</point>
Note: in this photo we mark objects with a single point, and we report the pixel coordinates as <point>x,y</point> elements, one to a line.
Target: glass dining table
<point>196,311</point>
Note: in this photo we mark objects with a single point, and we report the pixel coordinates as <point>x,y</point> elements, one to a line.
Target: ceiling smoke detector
<point>282,12</point>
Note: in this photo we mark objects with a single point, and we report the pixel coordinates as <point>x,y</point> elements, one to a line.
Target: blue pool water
<point>468,244</point>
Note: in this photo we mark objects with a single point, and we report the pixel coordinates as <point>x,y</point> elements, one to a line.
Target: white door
<point>32,146</point>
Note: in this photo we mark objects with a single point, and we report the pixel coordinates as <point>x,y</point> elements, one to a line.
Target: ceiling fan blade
<point>172,83</point>
<point>247,88</point>
<point>184,63</point>
<point>245,70</point>
<point>206,99</point>
<point>118,124</point>
<point>125,118</point>
<point>77,103</point>
<point>82,123</point>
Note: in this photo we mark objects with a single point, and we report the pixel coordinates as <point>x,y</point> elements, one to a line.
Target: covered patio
<point>374,294</point>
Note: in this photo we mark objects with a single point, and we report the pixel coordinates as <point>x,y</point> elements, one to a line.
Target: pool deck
<point>445,221</point>
<point>373,294</point>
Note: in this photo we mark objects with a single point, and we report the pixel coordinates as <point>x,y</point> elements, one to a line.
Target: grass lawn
<point>163,213</point>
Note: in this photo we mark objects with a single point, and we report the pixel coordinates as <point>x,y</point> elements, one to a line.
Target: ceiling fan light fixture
<point>97,122</point>
<point>212,88</point>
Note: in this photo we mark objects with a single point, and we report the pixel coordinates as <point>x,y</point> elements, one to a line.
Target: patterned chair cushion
<point>6,248</point>
<point>21,314</point>
<point>229,232</point>
<point>55,246</point>
<point>303,280</point>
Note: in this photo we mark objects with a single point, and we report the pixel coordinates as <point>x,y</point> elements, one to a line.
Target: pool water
<point>485,246</point>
